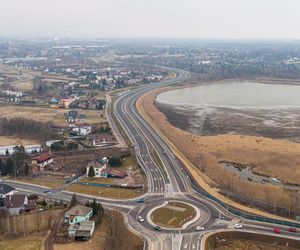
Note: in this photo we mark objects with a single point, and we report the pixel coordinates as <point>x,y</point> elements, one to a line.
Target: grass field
<point>23,243</point>
<point>114,193</point>
<point>45,114</point>
<point>173,215</point>
<point>48,181</point>
<point>12,140</point>
<point>23,85</point>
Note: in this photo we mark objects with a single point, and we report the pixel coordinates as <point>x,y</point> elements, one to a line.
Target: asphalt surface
<point>166,180</point>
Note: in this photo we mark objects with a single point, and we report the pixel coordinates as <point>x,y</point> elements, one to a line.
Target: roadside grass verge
<point>106,192</point>
<point>47,181</point>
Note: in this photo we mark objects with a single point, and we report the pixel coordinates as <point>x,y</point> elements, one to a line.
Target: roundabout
<point>181,214</point>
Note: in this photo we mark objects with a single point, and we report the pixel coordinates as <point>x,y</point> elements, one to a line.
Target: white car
<point>238,226</point>
<point>199,228</point>
<point>140,219</point>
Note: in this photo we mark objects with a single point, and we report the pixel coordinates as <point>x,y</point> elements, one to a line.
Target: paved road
<point>166,180</point>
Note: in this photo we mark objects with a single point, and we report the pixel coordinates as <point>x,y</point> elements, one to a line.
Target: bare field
<point>12,140</point>
<point>45,114</point>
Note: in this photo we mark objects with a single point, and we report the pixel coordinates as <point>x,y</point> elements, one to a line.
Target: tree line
<point>26,128</point>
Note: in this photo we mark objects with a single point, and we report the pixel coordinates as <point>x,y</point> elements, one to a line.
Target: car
<point>293,230</point>
<point>199,228</point>
<point>157,228</point>
<point>140,200</point>
<point>140,219</point>
<point>47,191</point>
<point>238,226</point>
<point>276,230</point>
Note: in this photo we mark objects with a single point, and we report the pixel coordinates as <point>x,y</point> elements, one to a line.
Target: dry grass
<point>12,140</point>
<point>168,216</point>
<point>202,154</point>
<point>23,86</point>
<point>45,114</point>
<point>248,245</point>
<point>47,181</point>
<point>24,243</point>
<point>106,192</point>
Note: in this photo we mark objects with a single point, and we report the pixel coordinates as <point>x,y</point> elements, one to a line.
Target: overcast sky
<point>151,18</point>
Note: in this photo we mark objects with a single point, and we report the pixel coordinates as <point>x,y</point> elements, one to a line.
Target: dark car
<point>157,228</point>
<point>293,230</point>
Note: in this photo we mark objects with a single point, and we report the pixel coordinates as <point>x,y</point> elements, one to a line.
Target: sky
<point>229,19</point>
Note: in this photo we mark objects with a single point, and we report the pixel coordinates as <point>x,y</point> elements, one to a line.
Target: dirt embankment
<point>202,154</point>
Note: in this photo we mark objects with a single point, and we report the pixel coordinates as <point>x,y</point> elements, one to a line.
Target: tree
<point>91,172</point>
<point>115,161</point>
<point>74,200</point>
<point>10,166</point>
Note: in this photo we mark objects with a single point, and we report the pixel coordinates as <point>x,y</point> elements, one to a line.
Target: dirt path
<point>50,238</point>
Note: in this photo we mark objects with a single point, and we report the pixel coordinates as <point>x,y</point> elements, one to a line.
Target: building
<point>42,160</point>
<point>82,130</point>
<point>6,190</point>
<point>98,168</point>
<point>16,203</point>
<point>29,149</point>
<point>33,149</point>
<point>66,102</point>
<point>82,231</point>
<point>101,140</point>
<point>78,214</point>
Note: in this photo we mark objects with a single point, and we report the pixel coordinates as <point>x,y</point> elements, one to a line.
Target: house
<point>6,190</point>
<point>72,116</point>
<point>100,140</point>
<point>16,203</point>
<point>42,160</point>
<point>77,214</point>
<point>54,103</point>
<point>66,102</point>
<point>82,231</point>
<point>82,129</point>
<point>98,167</point>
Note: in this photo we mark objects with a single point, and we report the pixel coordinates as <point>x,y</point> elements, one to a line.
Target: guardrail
<point>243,214</point>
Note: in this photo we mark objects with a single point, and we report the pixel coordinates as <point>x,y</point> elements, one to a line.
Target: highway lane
<point>145,140</point>
<point>164,182</point>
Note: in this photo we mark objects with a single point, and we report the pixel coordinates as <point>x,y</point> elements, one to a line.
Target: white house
<point>42,160</point>
<point>98,167</point>
<point>82,129</point>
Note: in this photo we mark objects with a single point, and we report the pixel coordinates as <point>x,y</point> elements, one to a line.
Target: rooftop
<point>79,210</point>
<point>4,189</point>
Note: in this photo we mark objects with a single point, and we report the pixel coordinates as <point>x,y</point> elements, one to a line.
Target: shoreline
<point>208,150</point>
